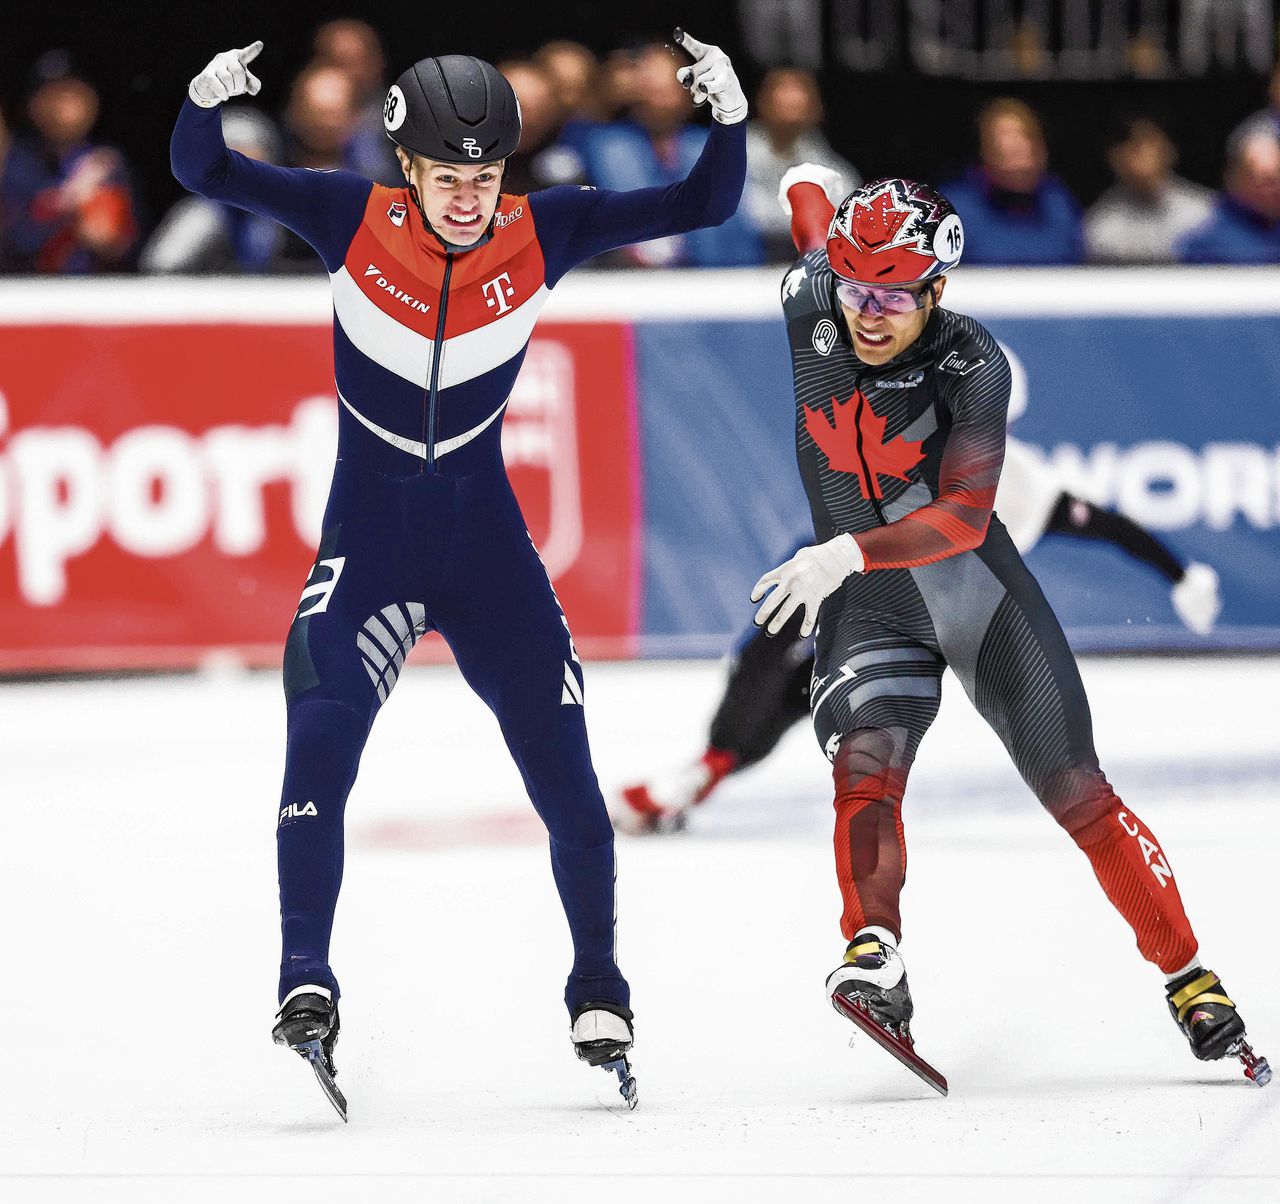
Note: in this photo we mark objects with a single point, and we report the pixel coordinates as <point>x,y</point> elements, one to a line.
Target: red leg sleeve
<point>1135,874</point>
<point>870,845</point>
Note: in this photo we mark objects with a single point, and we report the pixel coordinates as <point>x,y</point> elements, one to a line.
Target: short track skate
<point>602,1036</point>
<point>1200,1007</point>
<point>871,990</point>
<point>898,1043</point>
<point>308,1024</point>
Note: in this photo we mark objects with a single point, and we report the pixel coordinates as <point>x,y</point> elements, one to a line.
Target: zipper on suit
<point>433,387</point>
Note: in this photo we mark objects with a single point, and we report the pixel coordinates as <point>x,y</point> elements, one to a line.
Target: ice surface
<point>139,953</point>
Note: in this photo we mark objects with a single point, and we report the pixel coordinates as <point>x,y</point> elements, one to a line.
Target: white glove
<point>805,580</point>
<point>831,182</point>
<point>712,78</point>
<point>227,75</point>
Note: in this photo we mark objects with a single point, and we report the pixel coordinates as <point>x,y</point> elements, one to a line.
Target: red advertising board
<point>161,486</point>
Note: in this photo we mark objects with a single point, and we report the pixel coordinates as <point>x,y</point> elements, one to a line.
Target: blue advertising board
<point>1171,419</point>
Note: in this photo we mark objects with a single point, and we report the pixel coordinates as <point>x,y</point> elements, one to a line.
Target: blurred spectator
<point>1264,121</point>
<point>657,146</point>
<point>321,117</point>
<point>354,48</point>
<point>1142,216</point>
<point>200,235</point>
<point>785,132</point>
<point>581,92</point>
<point>575,79</point>
<point>1244,226</point>
<point>65,204</point>
<point>1014,210</point>
<point>541,161</point>
<point>620,83</point>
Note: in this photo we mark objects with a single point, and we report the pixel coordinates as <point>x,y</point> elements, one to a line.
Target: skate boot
<point>1208,1019</point>
<point>663,804</point>
<point>308,1023</point>
<point>874,976</point>
<point>870,989</point>
<point>602,1035</point>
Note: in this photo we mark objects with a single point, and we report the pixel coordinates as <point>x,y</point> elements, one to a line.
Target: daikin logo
<point>398,293</point>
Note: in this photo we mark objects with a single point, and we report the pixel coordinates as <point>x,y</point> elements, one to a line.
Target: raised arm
<point>323,207</point>
<point>577,223</point>
<point>809,194</point>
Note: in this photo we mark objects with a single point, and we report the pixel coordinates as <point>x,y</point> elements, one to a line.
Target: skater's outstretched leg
<point>1194,587</point>
<point>1026,684</point>
<point>766,694</point>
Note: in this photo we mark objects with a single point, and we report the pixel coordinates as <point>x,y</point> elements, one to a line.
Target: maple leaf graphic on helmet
<point>878,223</point>
<point>855,443</point>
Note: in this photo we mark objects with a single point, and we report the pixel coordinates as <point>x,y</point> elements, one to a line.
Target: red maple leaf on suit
<point>878,223</point>
<point>869,457</point>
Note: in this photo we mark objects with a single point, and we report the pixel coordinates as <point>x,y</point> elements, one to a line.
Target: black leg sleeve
<point>767,692</point>
<point>1073,516</point>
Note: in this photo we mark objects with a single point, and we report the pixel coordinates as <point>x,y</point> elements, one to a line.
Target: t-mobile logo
<point>501,291</point>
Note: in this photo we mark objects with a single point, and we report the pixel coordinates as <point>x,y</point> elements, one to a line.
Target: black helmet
<point>454,109</point>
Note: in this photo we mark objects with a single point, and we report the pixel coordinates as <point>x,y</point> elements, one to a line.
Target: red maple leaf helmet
<point>894,231</point>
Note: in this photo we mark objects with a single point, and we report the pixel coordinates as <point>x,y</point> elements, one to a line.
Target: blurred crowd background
<point>1065,131</point>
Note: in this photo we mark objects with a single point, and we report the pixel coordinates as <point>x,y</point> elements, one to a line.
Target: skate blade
<point>902,1050</point>
<point>626,1080</point>
<point>314,1053</point>
<point>1256,1068</point>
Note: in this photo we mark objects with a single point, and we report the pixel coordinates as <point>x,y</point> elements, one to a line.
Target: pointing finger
<point>691,44</point>
<point>249,53</point>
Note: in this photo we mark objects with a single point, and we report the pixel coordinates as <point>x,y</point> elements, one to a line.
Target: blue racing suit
<point>422,531</point>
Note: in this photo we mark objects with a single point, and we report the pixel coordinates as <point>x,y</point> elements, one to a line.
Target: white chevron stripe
<point>409,354</point>
<point>445,446</point>
<point>412,446</point>
<point>377,334</point>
